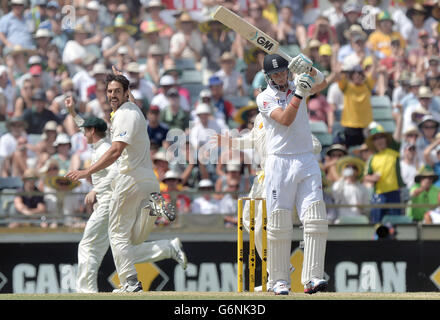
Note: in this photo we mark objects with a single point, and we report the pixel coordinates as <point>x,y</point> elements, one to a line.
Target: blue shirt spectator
<point>14,29</point>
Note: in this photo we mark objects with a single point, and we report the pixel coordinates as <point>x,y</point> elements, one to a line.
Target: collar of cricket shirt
<point>98,143</point>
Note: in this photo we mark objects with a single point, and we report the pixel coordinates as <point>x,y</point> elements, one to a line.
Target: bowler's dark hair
<point>118,78</point>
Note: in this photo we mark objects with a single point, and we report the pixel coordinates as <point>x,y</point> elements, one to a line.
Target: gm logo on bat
<point>267,44</point>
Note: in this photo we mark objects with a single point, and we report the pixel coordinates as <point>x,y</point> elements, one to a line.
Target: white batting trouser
<point>296,182</point>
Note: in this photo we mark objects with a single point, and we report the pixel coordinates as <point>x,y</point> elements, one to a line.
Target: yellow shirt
<point>386,163</point>
<point>380,41</point>
<point>271,14</point>
<point>357,112</point>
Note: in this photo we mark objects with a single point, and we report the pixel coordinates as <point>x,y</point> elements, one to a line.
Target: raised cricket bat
<point>251,33</point>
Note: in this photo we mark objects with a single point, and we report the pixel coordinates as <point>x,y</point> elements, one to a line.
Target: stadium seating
<point>240,65</point>
<point>326,139</point>
<point>238,101</point>
<point>380,102</point>
<point>8,187</point>
<point>352,220</point>
<point>318,127</point>
<point>388,125</point>
<point>11,183</point>
<point>320,130</point>
<point>190,76</point>
<point>194,90</point>
<point>396,219</point>
<point>185,64</point>
<point>292,49</point>
<point>382,114</point>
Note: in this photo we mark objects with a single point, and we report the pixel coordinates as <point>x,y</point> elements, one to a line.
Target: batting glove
<point>304,83</point>
<point>300,64</point>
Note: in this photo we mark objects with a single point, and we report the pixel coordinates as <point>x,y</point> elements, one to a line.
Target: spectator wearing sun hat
<point>349,188</point>
<point>119,34</point>
<point>153,9</point>
<point>173,182</point>
<point>167,82</point>
<point>94,20</point>
<point>187,41</point>
<point>154,66</point>
<point>205,203</point>
<point>423,191</point>
<point>326,58</point>
<point>173,115</point>
<point>145,87</point>
<point>202,130</point>
<point>16,129</point>
<point>223,105</point>
<point>75,50</point>
<point>409,164</point>
<point>352,13</point>
<point>333,154</point>
<point>150,35</point>
<point>234,83</point>
<point>380,40</point>
<point>383,169</point>
<point>420,21</point>
<point>28,205</point>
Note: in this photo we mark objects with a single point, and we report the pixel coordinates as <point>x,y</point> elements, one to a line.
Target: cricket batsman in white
<point>135,183</point>
<point>95,243</point>
<point>292,173</point>
<point>256,140</point>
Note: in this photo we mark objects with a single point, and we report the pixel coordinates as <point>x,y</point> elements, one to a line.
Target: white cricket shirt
<point>255,140</point>
<point>130,126</point>
<point>101,180</point>
<point>281,140</point>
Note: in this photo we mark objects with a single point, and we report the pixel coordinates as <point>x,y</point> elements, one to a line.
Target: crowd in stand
<point>193,77</point>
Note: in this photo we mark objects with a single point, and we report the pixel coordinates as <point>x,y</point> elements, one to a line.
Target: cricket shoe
<point>160,208</point>
<point>315,285</point>
<point>269,285</point>
<point>126,288</point>
<point>178,254</point>
<point>260,288</point>
<point>281,288</point>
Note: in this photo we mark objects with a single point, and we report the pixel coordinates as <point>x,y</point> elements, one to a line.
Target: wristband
<point>293,105</point>
<point>298,96</point>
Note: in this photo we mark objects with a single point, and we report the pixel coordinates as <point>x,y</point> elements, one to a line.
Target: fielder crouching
<point>292,174</point>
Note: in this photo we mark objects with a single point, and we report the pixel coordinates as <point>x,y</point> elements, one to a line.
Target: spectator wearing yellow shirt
<point>380,40</point>
<point>383,170</point>
<point>270,11</point>
<point>357,87</point>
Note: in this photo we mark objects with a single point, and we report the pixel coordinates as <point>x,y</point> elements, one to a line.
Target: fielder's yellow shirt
<point>386,163</point>
<point>380,41</point>
<point>357,112</point>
